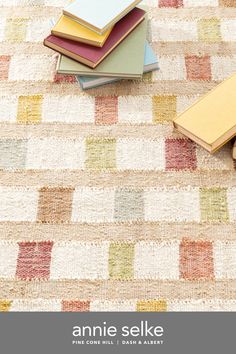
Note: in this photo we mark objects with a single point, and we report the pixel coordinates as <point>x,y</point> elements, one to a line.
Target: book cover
<point>150,64</point>
<point>125,61</point>
<point>69,29</point>
<point>90,55</point>
<point>211,122</point>
<point>100,15</point>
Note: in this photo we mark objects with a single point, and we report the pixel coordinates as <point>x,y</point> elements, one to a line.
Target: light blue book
<point>150,64</point>
<point>99,15</point>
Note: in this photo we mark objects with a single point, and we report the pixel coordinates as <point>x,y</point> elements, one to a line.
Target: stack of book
<point>102,41</point>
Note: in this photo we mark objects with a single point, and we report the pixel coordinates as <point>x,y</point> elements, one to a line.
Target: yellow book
<point>211,122</point>
<point>70,29</point>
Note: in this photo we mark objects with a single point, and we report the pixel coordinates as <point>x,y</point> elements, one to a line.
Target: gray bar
<point>165,333</point>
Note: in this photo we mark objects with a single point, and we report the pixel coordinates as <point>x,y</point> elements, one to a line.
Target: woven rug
<point>102,205</point>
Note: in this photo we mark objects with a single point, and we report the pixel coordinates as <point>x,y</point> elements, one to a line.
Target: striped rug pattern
<point>103,207</point>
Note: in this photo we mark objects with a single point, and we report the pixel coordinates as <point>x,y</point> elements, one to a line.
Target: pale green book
<point>150,64</point>
<point>126,61</point>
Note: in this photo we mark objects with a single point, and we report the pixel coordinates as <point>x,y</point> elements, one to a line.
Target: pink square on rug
<point>4,66</point>
<point>198,68</point>
<point>196,260</point>
<point>34,260</point>
<point>106,110</point>
<point>180,154</point>
<point>75,306</point>
<point>60,78</point>
<point>171,3</point>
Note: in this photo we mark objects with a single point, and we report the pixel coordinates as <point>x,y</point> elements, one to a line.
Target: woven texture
<point>103,207</point>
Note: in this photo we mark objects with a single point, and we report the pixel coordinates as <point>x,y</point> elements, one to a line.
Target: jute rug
<point>102,205</point>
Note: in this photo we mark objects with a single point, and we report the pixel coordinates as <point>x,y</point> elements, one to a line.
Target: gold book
<point>69,29</point>
<point>211,122</point>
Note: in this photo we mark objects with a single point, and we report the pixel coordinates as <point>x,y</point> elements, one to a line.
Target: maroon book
<point>90,55</point>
